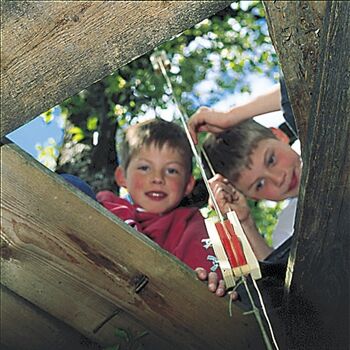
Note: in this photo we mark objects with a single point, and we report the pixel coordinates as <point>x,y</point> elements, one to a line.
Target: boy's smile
<point>274,172</point>
<point>157,178</point>
<point>156,196</point>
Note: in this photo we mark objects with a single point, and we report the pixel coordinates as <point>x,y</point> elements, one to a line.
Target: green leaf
<point>78,137</point>
<point>91,123</point>
<point>47,116</point>
<point>75,130</point>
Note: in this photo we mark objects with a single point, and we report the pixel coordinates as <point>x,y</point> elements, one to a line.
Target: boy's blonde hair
<point>229,152</point>
<point>155,132</point>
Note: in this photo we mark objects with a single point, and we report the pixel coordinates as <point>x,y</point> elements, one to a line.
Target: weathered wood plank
<point>295,29</point>
<point>24,326</point>
<point>51,50</point>
<point>94,316</point>
<point>53,232</point>
<point>319,276</point>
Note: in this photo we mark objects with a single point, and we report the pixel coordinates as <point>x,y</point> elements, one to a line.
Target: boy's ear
<point>119,176</point>
<point>190,184</point>
<point>281,135</point>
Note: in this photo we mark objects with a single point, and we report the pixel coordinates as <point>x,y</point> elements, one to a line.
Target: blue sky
<point>37,131</point>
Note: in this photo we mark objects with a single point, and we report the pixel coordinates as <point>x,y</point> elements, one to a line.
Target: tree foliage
<point>223,49</point>
<point>208,62</point>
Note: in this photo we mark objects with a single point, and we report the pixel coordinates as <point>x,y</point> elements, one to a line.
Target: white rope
<point>196,155</point>
<point>206,181</point>
<point>193,147</point>
<point>265,313</point>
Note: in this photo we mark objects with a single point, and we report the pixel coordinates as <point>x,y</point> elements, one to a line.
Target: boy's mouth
<point>293,182</point>
<point>156,196</point>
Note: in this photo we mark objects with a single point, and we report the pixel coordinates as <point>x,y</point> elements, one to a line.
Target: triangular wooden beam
<point>64,252</point>
<point>51,50</point>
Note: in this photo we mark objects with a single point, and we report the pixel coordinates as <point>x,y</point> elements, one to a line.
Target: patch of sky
<point>39,133</point>
<point>263,25</point>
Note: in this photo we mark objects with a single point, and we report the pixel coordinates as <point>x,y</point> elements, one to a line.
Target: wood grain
<point>318,280</point>
<point>295,28</point>
<point>53,233</point>
<point>25,326</point>
<point>51,50</point>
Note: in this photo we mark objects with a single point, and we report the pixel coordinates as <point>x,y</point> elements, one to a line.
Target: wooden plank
<point>24,326</point>
<point>51,50</point>
<point>295,29</point>
<point>318,275</point>
<point>53,232</point>
<point>94,316</point>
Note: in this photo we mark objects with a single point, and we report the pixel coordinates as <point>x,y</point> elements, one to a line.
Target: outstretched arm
<point>210,120</point>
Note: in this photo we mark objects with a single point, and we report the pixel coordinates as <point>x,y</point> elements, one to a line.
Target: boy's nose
<point>278,177</point>
<point>157,178</point>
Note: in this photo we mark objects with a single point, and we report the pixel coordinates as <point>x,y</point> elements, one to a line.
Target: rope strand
<point>193,147</point>
<point>261,300</point>
<point>255,310</point>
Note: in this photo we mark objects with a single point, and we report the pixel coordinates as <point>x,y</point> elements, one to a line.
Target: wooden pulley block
<point>232,249</point>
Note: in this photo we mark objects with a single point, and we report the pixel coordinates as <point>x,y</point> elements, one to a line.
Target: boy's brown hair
<point>155,132</point>
<point>229,152</point>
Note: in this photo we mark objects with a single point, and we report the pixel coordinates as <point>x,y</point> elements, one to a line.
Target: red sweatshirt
<point>181,231</point>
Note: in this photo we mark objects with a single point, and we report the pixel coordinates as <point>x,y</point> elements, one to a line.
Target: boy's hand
<point>214,285</point>
<point>207,119</point>
<point>229,198</point>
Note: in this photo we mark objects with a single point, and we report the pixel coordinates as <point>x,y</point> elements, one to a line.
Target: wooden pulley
<point>229,242</point>
<point>232,249</point>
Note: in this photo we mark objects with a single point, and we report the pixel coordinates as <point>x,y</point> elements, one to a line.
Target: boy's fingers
<point>193,135</point>
<point>212,281</point>
<point>228,208</point>
<point>220,187</point>
<point>218,177</point>
<point>201,273</point>
<point>214,129</point>
<point>220,291</point>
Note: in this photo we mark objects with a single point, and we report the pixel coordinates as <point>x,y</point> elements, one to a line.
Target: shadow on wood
<point>75,260</point>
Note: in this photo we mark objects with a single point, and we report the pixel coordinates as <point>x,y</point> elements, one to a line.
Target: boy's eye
<point>172,171</point>
<point>271,160</point>
<point>143,167</point>
<point>260,184</point>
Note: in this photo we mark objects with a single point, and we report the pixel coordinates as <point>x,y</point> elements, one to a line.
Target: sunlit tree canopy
<point>211,61</point>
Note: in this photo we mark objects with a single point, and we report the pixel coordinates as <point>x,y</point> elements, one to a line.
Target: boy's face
<point>157,179</point>
<point>274,172</point>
